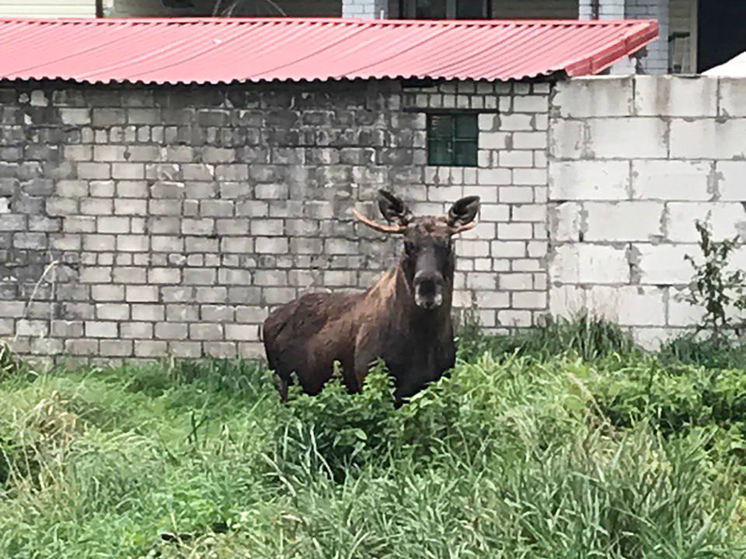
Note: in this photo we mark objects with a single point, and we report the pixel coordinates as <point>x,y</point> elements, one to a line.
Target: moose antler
<point>462,228</point>
<point>392,229</point>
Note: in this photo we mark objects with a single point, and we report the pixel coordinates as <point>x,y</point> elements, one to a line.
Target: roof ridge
<point>323,20</point>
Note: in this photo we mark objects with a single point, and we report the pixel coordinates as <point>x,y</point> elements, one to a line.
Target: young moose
<point>404,319</point>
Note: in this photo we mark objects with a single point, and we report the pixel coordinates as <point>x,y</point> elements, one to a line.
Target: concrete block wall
<point>633,162</point>
<point>146,222</point>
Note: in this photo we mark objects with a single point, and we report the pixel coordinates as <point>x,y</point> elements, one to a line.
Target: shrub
<point>713,287</point>
<point>334,431</point>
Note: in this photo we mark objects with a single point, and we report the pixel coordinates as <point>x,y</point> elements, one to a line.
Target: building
<point>695,35</point>
<point>161,192</point>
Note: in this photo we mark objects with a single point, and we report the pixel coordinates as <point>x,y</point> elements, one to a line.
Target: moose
<point>404,319</point>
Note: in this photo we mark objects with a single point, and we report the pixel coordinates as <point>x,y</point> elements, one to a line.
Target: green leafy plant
<point>334,430</point>
<point>714,288</point>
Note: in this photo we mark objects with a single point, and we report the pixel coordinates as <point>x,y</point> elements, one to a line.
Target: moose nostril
<point>427,287</point>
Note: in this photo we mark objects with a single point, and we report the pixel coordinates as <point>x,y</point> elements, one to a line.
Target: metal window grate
<point>452,139</point>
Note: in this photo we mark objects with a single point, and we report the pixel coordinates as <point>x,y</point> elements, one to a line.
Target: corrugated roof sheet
<point>217,50</point>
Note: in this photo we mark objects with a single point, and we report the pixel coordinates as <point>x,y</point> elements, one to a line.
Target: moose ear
<point>463,212</point>
<point>393,209</point>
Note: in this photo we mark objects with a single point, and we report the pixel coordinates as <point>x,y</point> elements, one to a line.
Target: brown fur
<point>308,334</point>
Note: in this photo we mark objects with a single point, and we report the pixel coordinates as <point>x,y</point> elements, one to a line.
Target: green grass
<point>563,443</point>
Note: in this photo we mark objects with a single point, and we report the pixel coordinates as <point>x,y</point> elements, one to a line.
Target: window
<point>445,9</point>
<point>452,139</point>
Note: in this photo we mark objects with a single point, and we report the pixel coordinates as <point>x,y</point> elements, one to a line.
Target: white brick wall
<point>633,162</point>
<point>367,9</point>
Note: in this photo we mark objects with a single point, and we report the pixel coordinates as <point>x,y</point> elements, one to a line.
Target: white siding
<point>683,19</point>
<point>47,8</point>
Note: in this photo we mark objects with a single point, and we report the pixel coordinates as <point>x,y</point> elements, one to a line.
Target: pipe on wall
<point>595,9</point>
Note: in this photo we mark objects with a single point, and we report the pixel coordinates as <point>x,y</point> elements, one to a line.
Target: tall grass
<point>587,336</point>
<point>596,451</point>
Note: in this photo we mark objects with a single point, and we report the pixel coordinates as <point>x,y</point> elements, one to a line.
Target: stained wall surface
<point>145,222</point>
<point>633,163</point>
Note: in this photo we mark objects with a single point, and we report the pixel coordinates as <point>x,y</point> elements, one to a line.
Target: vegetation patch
<point>562,442</point>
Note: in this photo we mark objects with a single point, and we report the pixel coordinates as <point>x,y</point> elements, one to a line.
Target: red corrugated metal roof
<point>217,50</point>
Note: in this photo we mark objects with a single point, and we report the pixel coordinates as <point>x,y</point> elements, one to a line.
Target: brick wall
<point>138,223</point>
<point>633,163</point>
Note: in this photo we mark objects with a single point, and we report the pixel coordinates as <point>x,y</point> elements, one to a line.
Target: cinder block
<point>566,221</point>
<point>593,97</point>
<point>732,180</point>
<point>726,218</point>
<point>623,221</point>
<point>141,293</point>
<point>242,332</point>
<point>589,180</point>
<point>136,330</point>
<point>164,275</point>
<point>708,139</point>
<point>627,138</point>
<point>267,227</point>
<point>665,264</point>
<point>221,350</point>
<point>676,96</point>
<point>566,139</point>
<point>671,180</point>
<point>514,231</point>
<point>515,122</point>
<point>185,350</point>
<point>628,305</point>
<point>515,282</point>
<point>101,329</point>
<point>529,300</point>
<point>514,318</point>
<point>116,348</point>
<point>32,328</point>
<point>81,347</point>
<point>206,331</point>
<point>681,313</point>
<point>530,104</point>
<point>182,313</point>
<point>279,295</point>
<point>171,331</point>
<point>150,348</point>
<point>272,245</point>
<point>732,94</point>
<point>133,243</point>
<point>107,293</point>
<point>514,158</point>
<point>75,116</point>
<point>204,226</point>
<point>586,263</point>
<point>228,276</point>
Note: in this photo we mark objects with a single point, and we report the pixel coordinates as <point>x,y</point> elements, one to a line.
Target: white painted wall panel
<point>47,8</point>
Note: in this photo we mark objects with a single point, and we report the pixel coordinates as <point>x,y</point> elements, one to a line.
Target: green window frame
<point>452,139</point>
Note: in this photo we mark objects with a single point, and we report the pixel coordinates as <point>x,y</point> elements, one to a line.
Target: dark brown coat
<point>404,319</point>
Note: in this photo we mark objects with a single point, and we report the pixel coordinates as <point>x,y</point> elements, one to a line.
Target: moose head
<point>428,260</point>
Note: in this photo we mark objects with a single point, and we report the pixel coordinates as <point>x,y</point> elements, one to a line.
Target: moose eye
<point>410,247</point>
